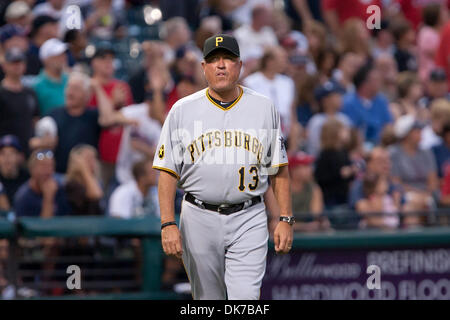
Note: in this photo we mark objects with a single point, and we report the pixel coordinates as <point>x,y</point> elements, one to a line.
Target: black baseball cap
<point>14,55</point>
<point>221,41</point>
<point>101,52</point>
<point>326,89</point>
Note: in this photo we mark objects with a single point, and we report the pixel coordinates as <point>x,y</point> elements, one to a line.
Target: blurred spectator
<point>271,82</point>
<point>19,13</point>
<point>120,94</point>
<point>307,198</point>
<point>413,10</point>
<point>4,202</point>
<point>442,58</point>
<point>439,114</point>
<point>175,33</point>
<point>104,22</point>
<point>12,173</point>
<point>329,96</point>
<point>378,163</point>
<point>209,26</point>
<point>82,184</point>
<point>43,194</point>
<point>76,41</point>
<point>254,37</point>
<point>52,80</point>
<point>138,197</point>
<point>333,171</point>
<point>383,40</point>
<point>327,60</point>
<point>387,66</point>
<point>53,8</point>
<point>316,34</point>
<point>347,66</point>
<point>355,38</point>
<point>43,28</point>
<point>357,153</point>
<point>428,38</point>
<point>336,12</point>
<point>187,64</point>
<point>13,36</point>
<point>442,151</point>
<point>378,208</point>
<point>410,91</point>
<point>139,142</point>
<point>242,14</point>
<point>18,104</point>
<point>436,87</point>
<point>405,45</point>
<point>76,124</point>
<point>152,62</point>
<point>307,105</point>
<point>413,168</point>
<point>366,107</point>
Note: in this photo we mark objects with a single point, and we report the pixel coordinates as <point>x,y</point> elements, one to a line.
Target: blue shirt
<point>369,116</point>
<point>442,156</point>
<point>50,93</point>
<point>29,203</point>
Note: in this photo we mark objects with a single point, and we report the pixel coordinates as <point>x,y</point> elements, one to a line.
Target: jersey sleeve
<point>276,154</point>
<point>169,153</point>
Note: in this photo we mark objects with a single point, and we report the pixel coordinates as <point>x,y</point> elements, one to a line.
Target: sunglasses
<point>45,154</point>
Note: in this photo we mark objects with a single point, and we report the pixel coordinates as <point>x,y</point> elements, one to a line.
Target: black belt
<point>222,208</point>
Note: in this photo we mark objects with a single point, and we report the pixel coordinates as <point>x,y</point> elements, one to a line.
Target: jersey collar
<point>219,106</point>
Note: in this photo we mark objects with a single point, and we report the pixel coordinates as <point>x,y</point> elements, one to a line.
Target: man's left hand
<point>283,236</point>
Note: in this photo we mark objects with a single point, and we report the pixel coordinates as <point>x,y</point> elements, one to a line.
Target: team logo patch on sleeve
<point>161,152</point>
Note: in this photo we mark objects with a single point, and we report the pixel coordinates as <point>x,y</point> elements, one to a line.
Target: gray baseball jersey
<point>222,155</point>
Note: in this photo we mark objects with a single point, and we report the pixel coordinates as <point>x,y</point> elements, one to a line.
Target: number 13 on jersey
<point>253,172</point>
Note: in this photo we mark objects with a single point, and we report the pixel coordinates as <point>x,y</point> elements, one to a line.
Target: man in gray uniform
<point>221,145</point>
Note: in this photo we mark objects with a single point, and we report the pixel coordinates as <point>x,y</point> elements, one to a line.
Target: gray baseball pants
<point>224,255</point>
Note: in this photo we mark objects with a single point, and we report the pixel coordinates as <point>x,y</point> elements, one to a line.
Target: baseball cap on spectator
<point>438,75</point>
<point>103,51</point>
<point>10,141</point>
<point>300,158</point>
<point>9,30</point>
<point>40,21</point>
<point>405,124</point>
<point>326,89</point>
<point>221,41</point>
<point>14,55</point>
<point>17,9</point>
<point>52,47</point>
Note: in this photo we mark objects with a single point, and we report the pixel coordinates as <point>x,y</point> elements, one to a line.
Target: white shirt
<point>252,43</point>
<point>429,138</point>
<point>148,129</point>
<point>281,90</point>
<point>127,202</point>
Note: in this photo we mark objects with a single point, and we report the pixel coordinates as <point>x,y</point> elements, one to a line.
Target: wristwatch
<point>289,220</point>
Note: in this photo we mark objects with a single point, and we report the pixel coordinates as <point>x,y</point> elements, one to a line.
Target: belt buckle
<point>223,207</point>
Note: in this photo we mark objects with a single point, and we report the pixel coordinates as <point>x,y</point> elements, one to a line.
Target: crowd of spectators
<point>365,108</point>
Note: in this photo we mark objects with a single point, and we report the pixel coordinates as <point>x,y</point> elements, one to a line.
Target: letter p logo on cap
<point>218,40</point>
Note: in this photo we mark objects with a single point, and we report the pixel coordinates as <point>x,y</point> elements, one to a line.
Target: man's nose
<point>221,62</point>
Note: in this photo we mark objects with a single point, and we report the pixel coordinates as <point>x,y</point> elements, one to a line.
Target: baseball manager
<point>221,145</point>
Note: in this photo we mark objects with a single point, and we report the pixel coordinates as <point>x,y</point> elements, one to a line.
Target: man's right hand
<point>171,241</point>
<point>49,188</point>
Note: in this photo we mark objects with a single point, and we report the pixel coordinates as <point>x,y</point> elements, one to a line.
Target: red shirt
<point>443,51</point>
<point>109,141</point>
<point>347,9</point>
